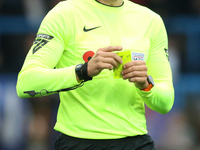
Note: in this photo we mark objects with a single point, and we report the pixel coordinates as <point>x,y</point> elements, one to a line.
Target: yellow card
<point>126,57</point>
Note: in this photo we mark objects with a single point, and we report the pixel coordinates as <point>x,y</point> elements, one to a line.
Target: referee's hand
<point>104,59</point>
<point>136,72</point>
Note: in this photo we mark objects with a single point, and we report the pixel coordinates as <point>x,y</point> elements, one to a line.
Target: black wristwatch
<point>81,71</point>
<point>78,70</point>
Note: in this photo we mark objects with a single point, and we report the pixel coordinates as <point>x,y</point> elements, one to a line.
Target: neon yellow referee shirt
<point>104,108</point>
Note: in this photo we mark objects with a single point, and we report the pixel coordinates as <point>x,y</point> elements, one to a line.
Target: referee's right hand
<point>104,59</point>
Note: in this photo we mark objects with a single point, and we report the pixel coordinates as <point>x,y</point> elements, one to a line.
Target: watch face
<point>150,80</point>
<point>78,71</point>
<point>79,66</point>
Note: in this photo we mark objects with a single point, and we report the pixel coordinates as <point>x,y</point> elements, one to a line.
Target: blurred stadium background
<point>27,124</point>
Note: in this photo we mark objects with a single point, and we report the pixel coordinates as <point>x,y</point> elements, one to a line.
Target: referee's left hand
<point>136,72</point>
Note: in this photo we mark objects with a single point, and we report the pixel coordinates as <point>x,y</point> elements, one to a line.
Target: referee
<point>75,54</point>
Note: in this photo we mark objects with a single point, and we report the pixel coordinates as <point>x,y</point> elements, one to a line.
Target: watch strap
<point>81,71</point>
<point>85,73</point>
<point>151,83</point>
<point>148,88</point>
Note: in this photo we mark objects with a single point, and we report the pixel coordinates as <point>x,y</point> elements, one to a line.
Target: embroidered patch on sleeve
<point>40,41</point>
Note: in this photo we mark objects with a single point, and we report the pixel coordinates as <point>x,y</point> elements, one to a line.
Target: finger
<point>135,74</point>
<point>111,61</point>
<point>134,63</point>
<point>102,66</point>
<point>138,80</point>
<point>134,68</point>
<point>114,56</point>
<point>111,48</point>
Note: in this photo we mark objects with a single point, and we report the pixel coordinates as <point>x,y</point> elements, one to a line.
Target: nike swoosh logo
<point>86,30</point>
